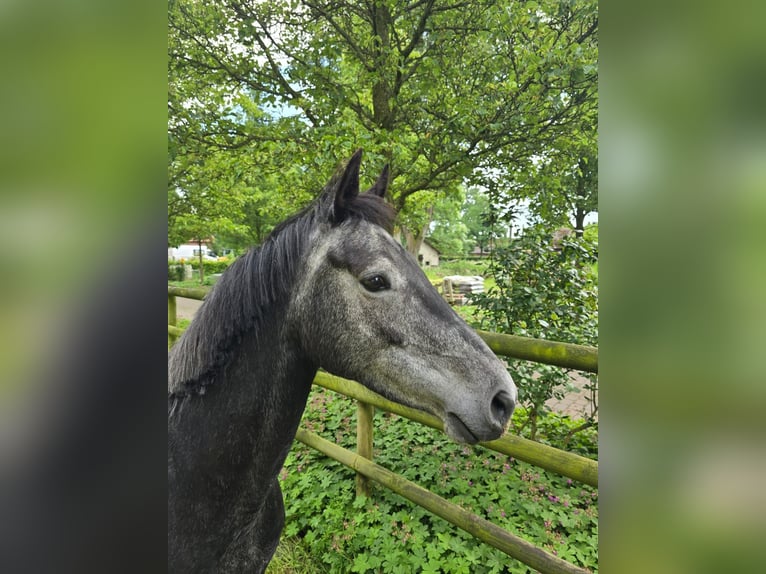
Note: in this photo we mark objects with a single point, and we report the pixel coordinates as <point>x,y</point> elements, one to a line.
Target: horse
<point>329,288</point>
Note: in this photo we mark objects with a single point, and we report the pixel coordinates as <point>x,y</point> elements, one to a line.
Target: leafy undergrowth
<point>333,531</point>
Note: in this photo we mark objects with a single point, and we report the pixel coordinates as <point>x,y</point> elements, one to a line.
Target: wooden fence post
<point>364,418</point>
<point>172,319</point>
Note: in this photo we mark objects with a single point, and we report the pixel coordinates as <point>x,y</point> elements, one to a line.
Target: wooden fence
<point>565,463</point>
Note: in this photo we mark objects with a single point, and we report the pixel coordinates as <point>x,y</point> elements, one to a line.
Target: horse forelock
<point>372,209</point>
<point>257,283</point>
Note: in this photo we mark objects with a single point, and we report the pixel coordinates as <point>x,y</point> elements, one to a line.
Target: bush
<point>218,266</point>
<point>175,271</point>
<point>386,533</point>
<point>544,293</point>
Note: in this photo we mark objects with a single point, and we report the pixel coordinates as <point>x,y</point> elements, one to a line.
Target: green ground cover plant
<point>333,531</point>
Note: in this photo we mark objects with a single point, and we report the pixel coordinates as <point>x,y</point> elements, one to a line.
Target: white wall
<point>187,251</point>
<point>429,254</point>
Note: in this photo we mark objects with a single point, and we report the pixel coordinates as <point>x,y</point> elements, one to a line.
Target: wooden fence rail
<point>482,529</point>
<point>561,462</point>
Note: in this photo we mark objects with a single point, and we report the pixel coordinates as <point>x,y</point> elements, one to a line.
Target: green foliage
<point>263,97</point>
<point>218,266</point>
<point>175,271</point>
<point>194,283</point>
<point>448,233</point>
<point>560,184</point>
<point>480,220</point>
<point>591,233</point>
<point>292,557</point>
<point>544,293</point>
<point>386,533</point>
<point>175,268</point>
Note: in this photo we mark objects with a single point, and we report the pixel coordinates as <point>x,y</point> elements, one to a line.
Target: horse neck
<point>247,419</point>
<point>272,380</point>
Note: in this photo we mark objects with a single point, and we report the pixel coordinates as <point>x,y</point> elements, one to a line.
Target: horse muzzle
<point>485,423</point>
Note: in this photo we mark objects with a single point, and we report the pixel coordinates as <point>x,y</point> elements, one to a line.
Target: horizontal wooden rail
<point>482,529</point>
<point>189,292</point>
<point>568,355</point>
<point>561,462</point>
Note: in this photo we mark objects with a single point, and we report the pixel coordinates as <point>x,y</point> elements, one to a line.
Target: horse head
<point>363,309</point>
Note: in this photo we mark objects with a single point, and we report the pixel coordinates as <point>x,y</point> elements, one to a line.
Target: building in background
<point>428,255</point>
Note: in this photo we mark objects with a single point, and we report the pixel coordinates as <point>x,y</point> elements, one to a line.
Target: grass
<point>194,283</point>
<point>460,267</point>
<point>292,557</point>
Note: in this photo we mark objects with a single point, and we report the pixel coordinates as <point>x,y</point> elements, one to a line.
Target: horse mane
<point>260,280</point>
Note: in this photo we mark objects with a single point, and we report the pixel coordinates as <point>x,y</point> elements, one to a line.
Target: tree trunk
<point>201,270</point>
<point>581,198</point>
<point>413,241</point>
<point>382,91</point>
<point>532,420</point>
<point>579,226</point>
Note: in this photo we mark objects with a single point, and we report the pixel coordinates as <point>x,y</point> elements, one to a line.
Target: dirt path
<point>186,308</point>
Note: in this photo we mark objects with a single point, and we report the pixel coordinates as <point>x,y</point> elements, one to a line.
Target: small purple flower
<point>553,498</point>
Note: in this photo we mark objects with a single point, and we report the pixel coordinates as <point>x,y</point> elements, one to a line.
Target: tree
<point>440,90</point>
<point>581,193</point>
<point>481,219</point>
<point>561,184</point>
<point>567,188</point>
<point>201,206</point>
<point>447,231</point>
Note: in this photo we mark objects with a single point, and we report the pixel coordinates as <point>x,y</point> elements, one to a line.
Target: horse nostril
<point>502,407</point>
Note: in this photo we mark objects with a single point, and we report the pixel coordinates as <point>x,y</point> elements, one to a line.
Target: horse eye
<point>375,283</point>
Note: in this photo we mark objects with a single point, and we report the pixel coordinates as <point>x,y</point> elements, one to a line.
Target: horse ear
<point>381,185</point>
<point>348,185</point>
